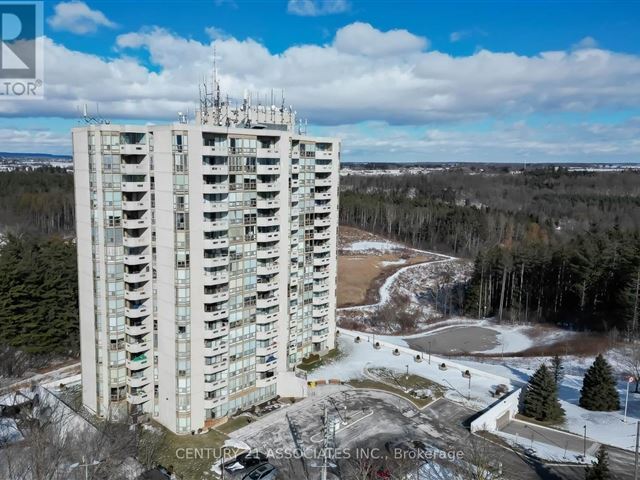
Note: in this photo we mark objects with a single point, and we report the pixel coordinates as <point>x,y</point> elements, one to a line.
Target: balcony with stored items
<point>137,309</point>
<point>214,144</point>
<point>266,379</point>
<point>136,328</point>
<point>322,220</point>
<point>137,361</point>
<point>214,330</point>
<point>137,396</point>
<point>215,165</point>
<point>267,283</point>
<point>267,300</point>
<point>216,311</point>
<point>215,347</point>
<point>137,344</point>
<point>264,364</point>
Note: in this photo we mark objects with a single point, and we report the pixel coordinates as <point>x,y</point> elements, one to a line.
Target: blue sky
<point>398,81</point>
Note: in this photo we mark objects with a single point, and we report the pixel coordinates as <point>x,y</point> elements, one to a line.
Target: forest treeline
<point>549,244</point>
<point>38,294</point>
<point>37,201</point>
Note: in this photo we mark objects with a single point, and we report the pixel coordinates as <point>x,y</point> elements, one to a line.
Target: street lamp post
<point>584,448</point>
<point>626,401</point>
<point>429,353</point>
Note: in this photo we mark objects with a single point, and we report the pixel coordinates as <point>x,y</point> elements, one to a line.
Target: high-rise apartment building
<point>207,262</point>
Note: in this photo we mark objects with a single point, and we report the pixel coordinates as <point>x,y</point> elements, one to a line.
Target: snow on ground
<point>357,356</point>
<point>368,245</point>
<point>605,427</point>
<point>387,263</point>
<point>545,451</point>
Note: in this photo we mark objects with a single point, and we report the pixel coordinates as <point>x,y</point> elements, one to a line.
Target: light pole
<point>626,400</point>
<point>429,352</point>
<point>469,393</point>
<point>584,448</point>
<point>407,375</point>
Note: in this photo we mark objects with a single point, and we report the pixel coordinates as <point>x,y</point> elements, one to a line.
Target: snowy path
<point>385,288</point>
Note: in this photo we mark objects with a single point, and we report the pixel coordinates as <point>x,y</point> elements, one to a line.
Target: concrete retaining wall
<point>488,421</point>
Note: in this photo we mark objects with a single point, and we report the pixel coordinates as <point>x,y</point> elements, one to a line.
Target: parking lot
<point>371,421</point>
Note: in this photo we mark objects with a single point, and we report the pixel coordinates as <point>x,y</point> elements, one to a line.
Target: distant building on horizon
<point>206,260</point>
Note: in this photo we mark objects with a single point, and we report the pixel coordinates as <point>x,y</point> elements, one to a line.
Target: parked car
<point>266,471</point>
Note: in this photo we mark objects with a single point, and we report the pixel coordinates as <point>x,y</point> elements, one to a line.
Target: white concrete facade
<point>207,265</point>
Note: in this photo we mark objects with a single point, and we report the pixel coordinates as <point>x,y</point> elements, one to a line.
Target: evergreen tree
<point>541,397</point>
<point>557,368</point>
<point>600,468</point>
<point>599,388</point>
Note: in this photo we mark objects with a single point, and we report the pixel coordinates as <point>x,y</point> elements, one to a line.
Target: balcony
<point>268,187</point>
<point>215,150</point>
<point>216,315</point>
<point>319,338</point>
<point>137,295</point>
<point>321,299</point>
<point>267,221</point>
<point>268,169</point>
<point>215,188</point>
<point>137,347</point>
<point>133,223</point>
<point>216,297</point>
<point>323,168</point>
<point>267,302</point>
<point>139,277</point>
<point>266,335</point>
<point>321,248</point>
<point>322,234</point>
<point>262,318</point>
<point>322,208</point>
<point>221,278</point>
<point>137,205</point>
<point>135,187</point>
<point>137,382</point>
<point>265,382</point>
<point>136,330</point>
<point>137,312</point>
<point>268,203</point>
<point>141,168</point>
<point>215,207</point>
<point>270,252</point>
<point>220,349</point>
<point>265,367</point>
<point>267,286</point>
<point>322,196</point>
<point>319,325</point>
<point>216,243</point>
<point>295,168</point>
<point>273,152</point>
<point>216,385</point>
<point>214,402</point>
<point>137,259</point>
<point>268,269</point>
<point>134,149</point>
<point>141,241</point>
<point>215,226</point>
<point>324,155</point>
<point>215,169</point>
<point>322,182</point>
<point>137,364</point>
<point>214,262</point>
<point>266,237</point>
<point>321,262</point>
<point>137,399</point>
<point>264,351</point>
<point>218,367</point>
<point>222,331</point>
<point>322,222</point>
<point>320,312</point>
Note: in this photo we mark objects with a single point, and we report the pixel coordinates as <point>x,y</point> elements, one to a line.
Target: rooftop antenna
<point>91,120</point>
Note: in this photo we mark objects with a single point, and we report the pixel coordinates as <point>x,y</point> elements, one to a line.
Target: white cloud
<point>585,43</point>
<point>315,8</point>
<point>340,83</point>
<point>362,38</point>
<point>464,34</point>
<point>77,17</point>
